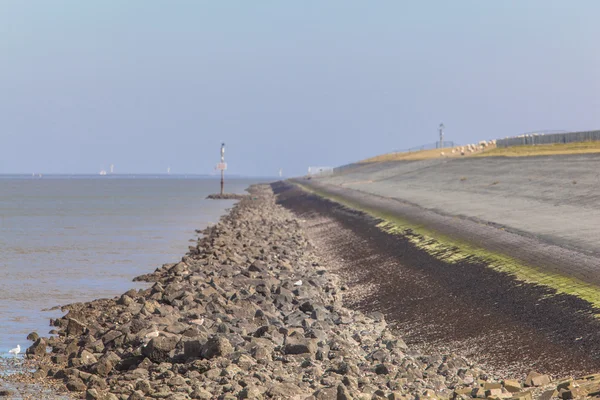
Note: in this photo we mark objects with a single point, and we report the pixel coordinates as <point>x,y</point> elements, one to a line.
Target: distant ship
<point>103,172</point>
<point>169,171</point>
<point>112,168</point>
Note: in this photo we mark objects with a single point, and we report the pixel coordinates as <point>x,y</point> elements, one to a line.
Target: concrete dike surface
<point>491,257</point>
<point>554,198</point>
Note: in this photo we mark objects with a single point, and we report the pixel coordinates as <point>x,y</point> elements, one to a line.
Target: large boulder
<point>299,345</point>
<point>105,364</point>
<point>159,348</point>
<point>216,346</point>
<point>192,348</point>
<point>38,349</point>
<point>75,328</point>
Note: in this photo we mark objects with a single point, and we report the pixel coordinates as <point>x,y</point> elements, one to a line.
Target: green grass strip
<point>453,251</point>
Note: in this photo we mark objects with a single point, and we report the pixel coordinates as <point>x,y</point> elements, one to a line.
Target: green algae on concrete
<point>453,251</point>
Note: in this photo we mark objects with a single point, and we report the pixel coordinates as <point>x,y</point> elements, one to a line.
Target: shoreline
<point>77,240</point>
<point>270,316</point>
<point>251,311</point>
<point>162,237</point>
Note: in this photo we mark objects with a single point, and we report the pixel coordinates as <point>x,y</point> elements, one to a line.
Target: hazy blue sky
<point>147,84</point>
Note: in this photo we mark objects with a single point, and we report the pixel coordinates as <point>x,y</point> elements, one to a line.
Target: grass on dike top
<point>414,155</point>
<point>515,151</point>
<point>542,150</point>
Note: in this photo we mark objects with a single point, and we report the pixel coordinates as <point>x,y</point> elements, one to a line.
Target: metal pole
<point>222,169</point>
<point>441,136</point>
<point>222,181</point>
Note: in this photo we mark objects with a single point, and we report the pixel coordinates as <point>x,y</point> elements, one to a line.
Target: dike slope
<point>553,198</point>
<point>442,298</point>
<point>500,255</point>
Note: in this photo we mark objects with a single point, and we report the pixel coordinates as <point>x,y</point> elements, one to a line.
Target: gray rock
<point>103,367</point>
<point>300,346</point>
<point>216,346</point>
<point>38,349</point>
<point>125,300</point>
<point>192,348</point>
<point>87,358</point>
<point>137,395</point>
<point>160,349</point>
<point>144,386</point>
<point>96,382</point>
<point>382,369</point>
<point>75,384</point>
<point>75,328</point>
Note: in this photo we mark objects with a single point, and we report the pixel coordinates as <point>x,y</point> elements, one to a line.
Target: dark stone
<point>110,336</point>
<point>307,307</point>
<point>75,385</point>
<point>192,349</point>
<point>38,349</point>
<point>300,346</point>
<point>159,349</point>
<point>137,395</point>
<point>103,367</point>
<point>96,382</point>
<point>125,300</point>
<point>382,369</point>
<point>75,328</point>
<point>216,347</point>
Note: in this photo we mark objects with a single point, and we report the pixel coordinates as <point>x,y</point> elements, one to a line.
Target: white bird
<point>16,350</point>
<point>198,321</point>
<point>298,283</point>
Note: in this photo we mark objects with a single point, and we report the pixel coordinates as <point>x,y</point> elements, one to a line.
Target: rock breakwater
<point>248,313</point>
<point>226,196</point>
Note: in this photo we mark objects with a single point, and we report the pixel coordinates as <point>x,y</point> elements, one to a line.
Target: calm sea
<point>70,239</point>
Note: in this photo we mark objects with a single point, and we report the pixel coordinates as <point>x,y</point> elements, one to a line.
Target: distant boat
<point>112,168</point>
<point>103,172</point>
<point>169,171</point>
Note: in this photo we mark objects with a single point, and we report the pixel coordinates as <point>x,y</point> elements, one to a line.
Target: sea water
<point>66,239</point>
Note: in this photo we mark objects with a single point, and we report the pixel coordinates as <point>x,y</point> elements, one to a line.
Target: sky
<point>147,84</point>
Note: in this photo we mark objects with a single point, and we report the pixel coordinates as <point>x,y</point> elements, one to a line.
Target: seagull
<point>198,321</point>
<point>16,350</point>
<point>298,283</point>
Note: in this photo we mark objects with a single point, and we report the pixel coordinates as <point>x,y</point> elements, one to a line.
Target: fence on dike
<point>553,138</point>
